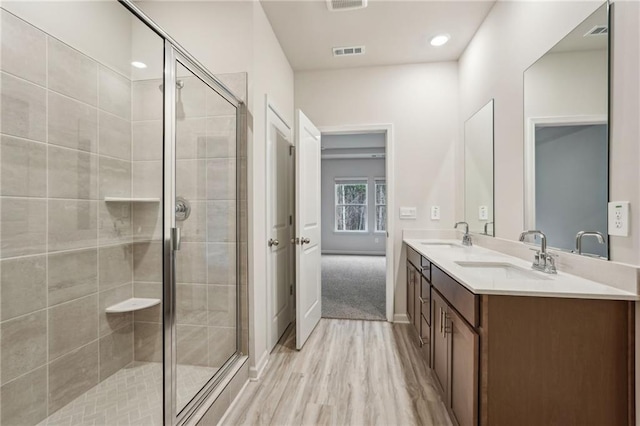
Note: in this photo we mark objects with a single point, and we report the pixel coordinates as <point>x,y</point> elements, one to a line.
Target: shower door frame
<point>174,52</point>
<point>170,239</point>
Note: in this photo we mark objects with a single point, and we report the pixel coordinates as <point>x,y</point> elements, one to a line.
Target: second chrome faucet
<point>543,261</point>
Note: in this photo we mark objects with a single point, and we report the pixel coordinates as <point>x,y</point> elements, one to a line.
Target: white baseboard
<point>358,253</point>
<point>401,318</point>
<point>256,371</point>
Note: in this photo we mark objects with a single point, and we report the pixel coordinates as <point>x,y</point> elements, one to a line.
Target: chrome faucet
<point>466,238</point>
<point>581,234</point>
<point>543,261</point>
<point>486,226</point>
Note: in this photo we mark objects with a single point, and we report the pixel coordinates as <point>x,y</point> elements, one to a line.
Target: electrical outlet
<point>483,213</point>
<point>435,212</point>
<point>619,218</point>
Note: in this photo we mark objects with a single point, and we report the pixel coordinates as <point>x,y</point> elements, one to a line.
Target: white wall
<point>422,104</point>
<point>272,77</point>
<point>492,67</point>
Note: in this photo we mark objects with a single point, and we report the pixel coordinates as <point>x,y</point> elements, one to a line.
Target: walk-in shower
<point>122,219</point>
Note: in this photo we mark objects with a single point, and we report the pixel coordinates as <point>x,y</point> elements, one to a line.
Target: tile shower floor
<point>132,396</point>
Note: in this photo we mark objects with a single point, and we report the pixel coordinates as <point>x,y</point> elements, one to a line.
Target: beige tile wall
<point>72,132</point>
<point>65,254</point>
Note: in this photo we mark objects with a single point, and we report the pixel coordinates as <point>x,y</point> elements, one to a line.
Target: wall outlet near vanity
<point>619,218</point>
<point>435,212</point>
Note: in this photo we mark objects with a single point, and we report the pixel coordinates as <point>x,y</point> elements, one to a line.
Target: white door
<point>279,225</point>
<point>308,281</point>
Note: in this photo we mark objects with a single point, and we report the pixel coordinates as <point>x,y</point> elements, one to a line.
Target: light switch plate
<point>435,212</point>
<point>483,213</point>
<point>408,213</point>
<point>619,218</point>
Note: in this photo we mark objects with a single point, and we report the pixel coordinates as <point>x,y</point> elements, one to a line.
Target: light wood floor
<point>348,373</point>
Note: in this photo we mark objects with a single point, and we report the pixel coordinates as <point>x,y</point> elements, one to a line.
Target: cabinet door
<point>464,370</point>
<point>440,358</point>
<point>417,305</point>
<point>410,292</point>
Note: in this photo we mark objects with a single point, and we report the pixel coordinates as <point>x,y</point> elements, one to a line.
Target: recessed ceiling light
<point>138,64</point>
<point>440,39</point>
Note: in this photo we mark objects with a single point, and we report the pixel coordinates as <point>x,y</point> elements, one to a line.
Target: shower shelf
<point>131,200</point>
<point>133,304</point>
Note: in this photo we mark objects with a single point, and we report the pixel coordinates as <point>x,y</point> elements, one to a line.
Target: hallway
<point>348,373</point>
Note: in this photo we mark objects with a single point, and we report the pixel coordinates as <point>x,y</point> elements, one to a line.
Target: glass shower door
<point>204,244</point>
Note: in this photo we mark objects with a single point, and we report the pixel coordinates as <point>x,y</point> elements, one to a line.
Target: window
<point>381,205</point>
<point>351,206</point>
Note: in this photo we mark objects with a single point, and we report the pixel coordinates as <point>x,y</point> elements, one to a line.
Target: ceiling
<point>394,32</point>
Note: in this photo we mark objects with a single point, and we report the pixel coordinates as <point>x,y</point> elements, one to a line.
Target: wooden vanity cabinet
<point>503,360</point>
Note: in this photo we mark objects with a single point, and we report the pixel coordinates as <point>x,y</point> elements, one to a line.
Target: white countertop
<point>488,281</point>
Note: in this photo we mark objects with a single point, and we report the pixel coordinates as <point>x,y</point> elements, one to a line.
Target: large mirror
<point>478,171</point>
<point>566,113</point>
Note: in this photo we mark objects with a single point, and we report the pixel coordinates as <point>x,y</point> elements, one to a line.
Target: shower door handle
<point>176,238</point>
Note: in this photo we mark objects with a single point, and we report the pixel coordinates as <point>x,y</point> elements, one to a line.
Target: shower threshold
<point>132,396</point>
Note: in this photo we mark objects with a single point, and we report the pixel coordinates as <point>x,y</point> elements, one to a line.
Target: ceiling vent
<point>342,5</point>
<point>348,51</point>
<point>597,30</point>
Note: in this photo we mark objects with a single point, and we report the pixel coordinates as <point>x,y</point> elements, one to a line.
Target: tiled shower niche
<point>74,132</point>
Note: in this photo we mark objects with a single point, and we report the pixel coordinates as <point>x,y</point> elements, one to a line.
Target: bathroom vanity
<point>511,346</point>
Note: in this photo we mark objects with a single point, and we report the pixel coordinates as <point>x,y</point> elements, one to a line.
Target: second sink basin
<point>502,270</point>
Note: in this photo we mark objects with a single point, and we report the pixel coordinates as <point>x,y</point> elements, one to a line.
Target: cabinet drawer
<point>421,263</point>
<point>425,298</point>
<point>461,299</point>
<point>414,257</point>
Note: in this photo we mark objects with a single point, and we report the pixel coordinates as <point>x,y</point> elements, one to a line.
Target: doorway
<point>354,225</point>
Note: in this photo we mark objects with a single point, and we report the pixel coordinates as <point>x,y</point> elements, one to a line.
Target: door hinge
<point>291,149</point>
<point>291,290</point>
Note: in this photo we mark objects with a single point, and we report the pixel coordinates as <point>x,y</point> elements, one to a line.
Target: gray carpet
<point>353,287</point>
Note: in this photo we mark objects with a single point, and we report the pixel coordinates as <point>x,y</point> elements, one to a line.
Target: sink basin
<point>443,245</point>
<point>502,270</point>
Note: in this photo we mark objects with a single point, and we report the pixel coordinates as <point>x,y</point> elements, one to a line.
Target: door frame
<point>530,155</point>
<point>387,129</point>
<point>271,107</point>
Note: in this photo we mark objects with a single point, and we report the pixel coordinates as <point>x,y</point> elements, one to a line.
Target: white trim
<point>261,364</point>
<point>387,129</point>
<point>401,319</point>
<point>530,155</point>
<point>352,156</point>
